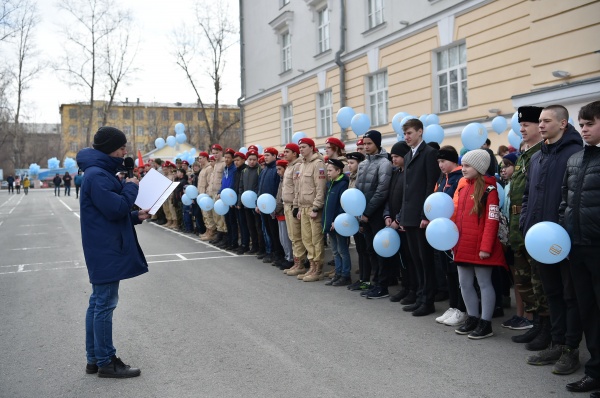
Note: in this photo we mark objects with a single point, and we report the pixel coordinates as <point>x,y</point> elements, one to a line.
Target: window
<point>152,114</point>
<point>236,115</point>
<point>139,114</point>
<point>73,131</point>
<point>164,131</point>
<point>87,113</point>
<point>226,116</point>
<point>100,112</point>
<point>127,130</point>
<point>201,117</point>
<point>378,98</point>
<point>73,113</point>
<point>177,115</point>
<point>127,114</point>
<point>325,110</point>
<point>375,13</point>
<point>152,130</point>
<point>189,116</point>
<point>323,30</point>
<point>451,78</point>
<point>165,114</point>
<point>113,114</point>
<point>140,147</point>
<point>283,3</point>
<point>84,131</point>
<point>140,130</point>
<point>288,126</point>
<point>74,147</point>
<point>286,52</point>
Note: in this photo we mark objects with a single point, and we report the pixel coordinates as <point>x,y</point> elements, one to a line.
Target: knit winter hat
<point>478,159</point>
<point>400,148</point>
<point>109,139</point>
<point>375,136</point>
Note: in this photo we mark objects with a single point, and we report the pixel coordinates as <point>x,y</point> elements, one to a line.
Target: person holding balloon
<point>288,261</point>
<point>541,202</point>
<point>203,188</point>
<point>249,182</point>
<point>579,214</point>
<point>231,227</point>
<point>216,180</point>
<point>239,158</point>
<point>478,250</point>
<point>354,159</point>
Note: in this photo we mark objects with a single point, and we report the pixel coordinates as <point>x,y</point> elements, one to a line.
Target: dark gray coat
<point>374,176</point>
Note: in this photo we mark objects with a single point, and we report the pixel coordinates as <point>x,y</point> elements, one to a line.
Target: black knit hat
<point>446,154</point>
<point>529,114</point>
<point>109,139</point>
<point>400,148</point>
<point>359,157</point>
<point>375,136</point>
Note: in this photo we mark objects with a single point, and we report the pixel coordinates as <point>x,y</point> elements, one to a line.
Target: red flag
<point>140,159</point>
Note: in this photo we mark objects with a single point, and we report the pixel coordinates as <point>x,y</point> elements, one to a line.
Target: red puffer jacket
<point>478,234</point>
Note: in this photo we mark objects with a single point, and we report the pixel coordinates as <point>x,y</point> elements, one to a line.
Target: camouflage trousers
<point>528,282</point>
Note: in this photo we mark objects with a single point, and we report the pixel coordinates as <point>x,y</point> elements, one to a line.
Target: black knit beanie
<point>109,139</point>
<point>375,136</point>
<point>400,148</point>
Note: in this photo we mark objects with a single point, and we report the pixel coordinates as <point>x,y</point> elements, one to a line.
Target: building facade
<point>143,122</point>
<point>466,61</point>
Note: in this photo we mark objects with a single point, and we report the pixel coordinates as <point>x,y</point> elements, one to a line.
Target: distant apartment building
<point>143,122</point>
<point>465,60</point>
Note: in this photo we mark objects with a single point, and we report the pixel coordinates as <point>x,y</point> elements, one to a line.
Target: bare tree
<point>94,23</point>
<point>7,10</point>
<point>203,47</point>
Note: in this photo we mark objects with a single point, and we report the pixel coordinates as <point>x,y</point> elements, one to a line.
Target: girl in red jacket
<point>478,248</point>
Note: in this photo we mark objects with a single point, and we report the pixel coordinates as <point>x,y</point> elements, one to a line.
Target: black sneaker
<point>343,281</point>
<point>267,259</point>
<point>469,325</point>
<point>117,369</point>
<point>91,368</point>
<point>254,250</point>
<point>367,291</point>
<point>378,293</point>
<point>483,330</point>
<point>335,278</point>
<point>354,286</point>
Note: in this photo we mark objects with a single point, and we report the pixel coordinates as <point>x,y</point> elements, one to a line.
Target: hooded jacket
<point>448,183</point>
<point>333,204</point>
<point>110,244</point>
<point>374,176</point>
<point>228,178</point>
<point>542,196</point>
<point>268,180</point>
<point>478,234</point>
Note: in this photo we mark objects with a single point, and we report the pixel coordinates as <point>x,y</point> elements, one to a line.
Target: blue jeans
<point>67,190</point>
<point>98,323</point>
<point>187,218</point>
<point>57,190</point>
<point>341,254</point>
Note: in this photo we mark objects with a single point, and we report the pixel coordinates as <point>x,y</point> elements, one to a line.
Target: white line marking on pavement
<point>20,269</point>
<point>43,269</point>
<point>191,259</point>
<point>180,256</point>
<point>51,262</point>
<point>11,210</point>
<point>35,248</point>
<point>195,239</point>
<point>61,201</point>
<point>35,233</point>
<point>172,254</point>
<point>31,225</point>
<point>11,198</point>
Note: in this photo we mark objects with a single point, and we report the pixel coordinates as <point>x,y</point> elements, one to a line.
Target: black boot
<point>483,330</point>
<point>470,325</point>
<point>410,298</point>
<point>543,338</point>
<point>220,237</point>
<point>117,369</point>
<point>528,336</point>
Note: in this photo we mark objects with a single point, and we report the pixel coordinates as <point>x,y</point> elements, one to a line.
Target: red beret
<point>168,163</point>
<point>185,162</point>
<point>217,147</point>
<point>282,163</point>
<point>360,142</point>
<point>325,159</point>
<point>251,152</point>
<point>239,155</point>
<point>261,159</point>
<point>271,150</point>
<point>293,147</point>
<point>211,157</point>
<point>306,141</point>
<point>335,141</point>
<point>230,151</point>
<point>253,148</point>
<point>204,154</point>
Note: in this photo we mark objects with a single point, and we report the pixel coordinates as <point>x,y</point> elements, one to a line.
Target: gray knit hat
<point>478,159</point>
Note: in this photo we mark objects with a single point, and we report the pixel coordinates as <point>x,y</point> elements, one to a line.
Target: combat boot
<point>531,334</point>
<point>299,268</point>
<point>317,274</point>
<point>294,267</point>
<point>208,236</point>
<point>310,271</point>
<point>543,338</point>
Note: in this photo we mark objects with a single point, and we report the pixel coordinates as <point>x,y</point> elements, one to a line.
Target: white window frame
<point>325,113</point>
<point>374,13</point>
<point>323,30</point>
<point>443,75</point>
<point>287,123</point>
<point>286,51</point>
<point>74,147</point>
<point>377,98</point>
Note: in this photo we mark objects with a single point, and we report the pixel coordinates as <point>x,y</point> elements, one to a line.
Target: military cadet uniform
<point>203,185</point>
<point>213,191</point>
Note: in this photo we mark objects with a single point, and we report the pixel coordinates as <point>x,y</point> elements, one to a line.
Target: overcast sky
<point>160,79</point>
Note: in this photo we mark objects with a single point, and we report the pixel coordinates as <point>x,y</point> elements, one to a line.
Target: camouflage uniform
<point>527,278</point>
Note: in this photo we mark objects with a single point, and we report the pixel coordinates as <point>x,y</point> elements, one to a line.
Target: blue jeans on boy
<point>187,218</point>
<point>341,254</point>
<point>98,323</point>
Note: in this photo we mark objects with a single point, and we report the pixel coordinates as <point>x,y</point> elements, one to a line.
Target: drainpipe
<point>243,74</point>
<point>340,63</point>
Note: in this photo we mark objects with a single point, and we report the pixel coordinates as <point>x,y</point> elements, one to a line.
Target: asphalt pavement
<point>207,323</point>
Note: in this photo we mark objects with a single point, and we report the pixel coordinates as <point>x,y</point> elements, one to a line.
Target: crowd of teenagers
<point>554,176</point>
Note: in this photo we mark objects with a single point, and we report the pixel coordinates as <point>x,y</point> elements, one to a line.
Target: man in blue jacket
<point>268,182</point>
<point>112,252</point>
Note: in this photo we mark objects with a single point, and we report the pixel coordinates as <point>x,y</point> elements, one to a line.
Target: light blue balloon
<point>345,224</point>
<point>180,138</point>
<point>386,242</point>
<point>344,117</point>
<point>514,140</point>
<point>405,119</point>
<point>353,202</point>
<point>433,133</point>
<point>361,123</point>
<point>206,203</point>
<point>298,135</point>
<point>474,135</point>
<point>243,150</point>
<point>514,123</point>
<point>191,191</point>
<point>186,200</point>
<point>69,163</point>
<point>171,141</point>
<point>400,137</point>
<point>396,122</point>
<point>221,208</point>
<point>260,149</point>
<point>438,205</point>
<point>571,122</point>
<point>442,234</point>
<point>432,119</point>
<point>159,143</point>
<point>499,124</point>
<point>193,151</point>
<point>229,197</point>
<point>501,194</point>
<point>547,242</point>
<point>266,203</point>
<point>249,199</point>
<point>423,117</point>
<point>179,128</point>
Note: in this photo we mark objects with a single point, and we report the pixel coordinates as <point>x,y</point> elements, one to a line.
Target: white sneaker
<point>458,318</point>
<point>449,312</point>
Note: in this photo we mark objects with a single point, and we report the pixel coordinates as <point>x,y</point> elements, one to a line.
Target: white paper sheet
<point>154,190</point>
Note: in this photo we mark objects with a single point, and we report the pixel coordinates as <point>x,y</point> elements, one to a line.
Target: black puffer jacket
<point>579,211</point>
<point>374,175</point>
<point>542,196</point>
<point>394,202</point>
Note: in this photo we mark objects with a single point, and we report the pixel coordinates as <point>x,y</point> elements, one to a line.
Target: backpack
<point>503,221</point>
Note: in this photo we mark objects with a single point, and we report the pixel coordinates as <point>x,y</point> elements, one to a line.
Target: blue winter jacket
<point>333,204</point>
<point>78,180</point>
<point>228,177</point>
<point>268,180</point>
<point>110,244</point>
